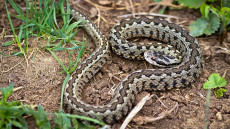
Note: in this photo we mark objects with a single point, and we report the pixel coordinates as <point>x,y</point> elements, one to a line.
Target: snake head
<point>160,58</point>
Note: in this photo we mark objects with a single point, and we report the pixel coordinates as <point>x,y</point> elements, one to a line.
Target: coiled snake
<point>173,75</point>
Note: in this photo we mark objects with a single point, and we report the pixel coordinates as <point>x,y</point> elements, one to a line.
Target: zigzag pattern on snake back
<point>174,76</point>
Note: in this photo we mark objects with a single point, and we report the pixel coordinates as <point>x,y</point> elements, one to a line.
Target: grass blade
<point>63,66</point>
<point>8,43</point>
<point>63,89</point>
<point>72,26</point>
<point>62,48</point>
<point>17,8</point>
<point>85,118</point>
<point>12,27</point>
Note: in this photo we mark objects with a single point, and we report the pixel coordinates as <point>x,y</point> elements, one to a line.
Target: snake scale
<point>169,77</point>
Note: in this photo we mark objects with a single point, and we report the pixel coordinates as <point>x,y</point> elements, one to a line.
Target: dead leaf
<point>105,2</point>
<point>144,6</point>
<point>166,2</point>
<point>93,12</point>
<point>128,6</point>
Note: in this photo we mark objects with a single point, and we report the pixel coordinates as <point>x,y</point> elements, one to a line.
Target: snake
<point>168,76</point>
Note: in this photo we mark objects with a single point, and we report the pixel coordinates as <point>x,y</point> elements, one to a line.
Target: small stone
<point>219,116</point>
<point>228,37</point>
<point>93,12</point>
<point>189,96</point>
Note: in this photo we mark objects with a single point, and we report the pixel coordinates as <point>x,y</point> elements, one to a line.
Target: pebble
<point>219,116</point>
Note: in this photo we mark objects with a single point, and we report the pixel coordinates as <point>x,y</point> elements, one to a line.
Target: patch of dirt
<point>39,73</point>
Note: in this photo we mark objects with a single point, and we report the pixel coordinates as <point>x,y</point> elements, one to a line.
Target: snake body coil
<point>174,76</point>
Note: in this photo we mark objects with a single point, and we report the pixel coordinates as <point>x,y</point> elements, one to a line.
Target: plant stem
<point>207,109</point>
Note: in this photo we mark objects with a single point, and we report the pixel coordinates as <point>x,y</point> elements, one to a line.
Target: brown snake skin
<point>171,76</point>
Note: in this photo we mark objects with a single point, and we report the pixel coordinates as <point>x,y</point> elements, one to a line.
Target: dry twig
<point>131,4</point>
<point>166,3</point>
<point>149,14</point>
<point>142,120</point>
<point>5,71</point>
<point>136,109</point>
<point>106,8</point>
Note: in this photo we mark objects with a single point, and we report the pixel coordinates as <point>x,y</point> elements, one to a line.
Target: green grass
<point>42,20</point>
<point>12,115</point>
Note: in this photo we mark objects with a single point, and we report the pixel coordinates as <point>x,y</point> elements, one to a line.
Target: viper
<point>178,55</point>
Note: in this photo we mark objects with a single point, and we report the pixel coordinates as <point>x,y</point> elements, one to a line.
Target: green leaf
<point>16,123</point>
<point>223,90</point>
<point>226,3</point>
<point>8,43</point>
<point>17,8</point>
<point>75,123</point>
<point>62,48</point>
<point>86,125</point>
<point>12,27</point>
<point>214,81</point>
<point>204,10</point>
<point>215,10</point>
<point>214,24</point>
<point>11,112</point>
<point>162,10</point>
<point>15,54</point>
<point>220,92</point>
<point>6,92</point>
<point>205,25</point>
<point>62,121</point>
<point>156,1</point>
<point>72,26</point>
<point>192,3</point>
<point>225,15</point>
<point>41,118</point>
<point>225,11</point>
<point>65,69</point>
<point>14,103</point>
<point>9,126</point>
<point>198,26</point>
<point>211,0</point>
